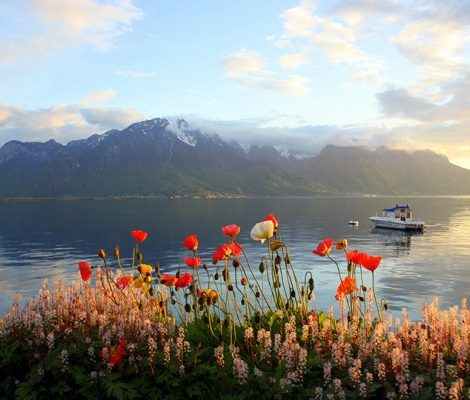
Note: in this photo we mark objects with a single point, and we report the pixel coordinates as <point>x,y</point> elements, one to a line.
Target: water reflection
<point>41,240</point>
<point>400,240</point>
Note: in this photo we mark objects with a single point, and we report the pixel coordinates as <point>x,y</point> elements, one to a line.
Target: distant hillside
<point>156,157</point>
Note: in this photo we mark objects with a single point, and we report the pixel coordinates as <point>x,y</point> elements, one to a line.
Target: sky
<point>297,74</point>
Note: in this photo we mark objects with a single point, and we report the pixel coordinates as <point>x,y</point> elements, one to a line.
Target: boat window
<point>408,215</point>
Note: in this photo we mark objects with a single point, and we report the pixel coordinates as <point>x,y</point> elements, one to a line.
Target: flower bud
<point>116,252</point>
<point>287,259</point>
<point>277,260</point>
<point>262,267</point>
<point>244,281</point>
<point>275,244</point>
<point>236,263</point>
<point>101,254</point>
<point>187,308</point>
<point>230,288</point>
<point>311,284</point>
<point>139,256</point>
<point>216,276</point>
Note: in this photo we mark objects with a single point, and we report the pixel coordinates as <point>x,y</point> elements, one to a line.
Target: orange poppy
<point>124,281</point>
<point>191,242</point>
<point>222,253</point>
<point>324,248</point>
<point>185,280</point>
<point>168,280</point>
<point>354,256</point>
<point>369,262</point>
<point>193,262</point>
<point>346,287</point>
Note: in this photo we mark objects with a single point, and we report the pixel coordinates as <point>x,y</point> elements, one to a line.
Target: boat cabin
<point>401,212</point>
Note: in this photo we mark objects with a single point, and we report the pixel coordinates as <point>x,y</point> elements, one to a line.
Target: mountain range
<point>159,158</point>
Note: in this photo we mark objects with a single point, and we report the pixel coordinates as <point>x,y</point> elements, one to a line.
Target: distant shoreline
<point>217,197</point>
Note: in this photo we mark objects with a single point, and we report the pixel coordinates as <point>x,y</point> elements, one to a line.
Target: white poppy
<point>262,231</point>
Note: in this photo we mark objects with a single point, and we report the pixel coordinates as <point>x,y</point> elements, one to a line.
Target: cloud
<point>454,109</point>
<point>299,21</point>
<point>62,123</point>
<point>356,11</point>
<point>293,60</point>
<point>292,132</point>
<point>248,69</point>
<point>61,24</point>
<point>243,62</point>
<point>399,102</point>
<point>99,96</point>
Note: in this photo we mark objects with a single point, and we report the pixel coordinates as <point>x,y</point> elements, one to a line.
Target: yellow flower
<point>140,284</point>
<point>262,231</point>
<point>341,244</point>
<point>145,269</point>
<point>209,294</point>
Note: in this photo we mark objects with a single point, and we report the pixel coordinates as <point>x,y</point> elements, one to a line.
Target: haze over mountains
<point>156,157</point>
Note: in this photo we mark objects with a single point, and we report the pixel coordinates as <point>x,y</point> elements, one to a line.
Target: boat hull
<point>387,223</point>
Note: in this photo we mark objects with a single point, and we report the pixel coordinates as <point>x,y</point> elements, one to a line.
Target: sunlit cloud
<point>62,123</point>
<point>293,60</point>
<point>243,62</point>
<point>248,69</point>
<point>98,97</point>
<point>61,24</point>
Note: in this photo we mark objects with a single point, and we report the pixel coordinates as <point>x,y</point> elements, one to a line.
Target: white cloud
<point>243,62</point>
<point>98,97</point>
<point>248,69</point>
<point>299,21</point>
<point>293,60</point>
<point>61,24</point>
<point>62,123</point>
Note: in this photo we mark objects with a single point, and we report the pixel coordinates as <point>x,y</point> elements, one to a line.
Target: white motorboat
<point>398,217</point>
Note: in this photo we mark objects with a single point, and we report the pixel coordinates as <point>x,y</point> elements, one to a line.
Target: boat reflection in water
<point>400,239</point>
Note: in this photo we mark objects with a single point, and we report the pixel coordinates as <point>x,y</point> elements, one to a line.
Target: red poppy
<point>191,242</point>
<point>168,280</point>
<point>235,249</point>
<point>369,262</point>
<point>85,270</point>
<point>346,287</point>
<point>231,230</point>
<point>139,236</point>
<point>115,357</point>
<point>354,256</point>
<point>222,253</point>
<point>193,262</point>
<point>271,217</point>
<point>185,280</point>
<point>324,248</point>
<point>124,281</point>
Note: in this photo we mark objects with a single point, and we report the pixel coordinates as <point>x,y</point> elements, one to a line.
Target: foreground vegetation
<point>226,331</point>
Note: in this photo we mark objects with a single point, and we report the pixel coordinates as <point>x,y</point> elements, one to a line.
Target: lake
<point>46,239</point>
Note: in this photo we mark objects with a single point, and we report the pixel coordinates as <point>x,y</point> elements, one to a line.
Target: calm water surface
<point>45,240</point>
